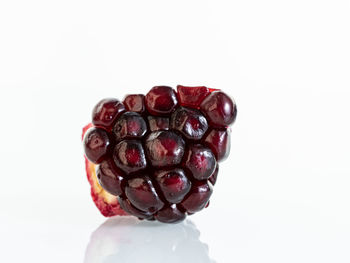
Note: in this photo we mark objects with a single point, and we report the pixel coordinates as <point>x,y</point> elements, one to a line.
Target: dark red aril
<point>135,103</point>
<point>189,122</point>
<point>130,209</point>
<point>161,100</point>
<point>173,183</point>
<point>130,156</point>
<point>130,125</point>
<point>142,194</point>
<point>219,109</point>
<point>191,96</point>
<point>106,112</point>
<point>219,142</point>
<point>200,161</point>
<point>214,176</point>
<point>110,177</point>
<point>170,214</point>
<point>164,148</point>
<point>198,197</point>
<point>158,123</point>
<point>96,143</point>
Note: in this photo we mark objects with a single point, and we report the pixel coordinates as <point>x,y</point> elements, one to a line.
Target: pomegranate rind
<point>106,203</point>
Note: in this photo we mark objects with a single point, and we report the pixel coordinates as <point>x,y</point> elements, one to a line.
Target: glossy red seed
<point>214,176</point>
<point>219,109</point>
<point>135,103</point>
<point>106,112</point>
<point>129,156</point>
<point>142,194</point>
<point>164,148</point>
<point>96,143</point>
<point>173,184</point>
<point>110,177</point>
<point>219,142</point>
<point>170,214</point>
<point>158,123</point>
<point>130,209</point>
<point>161,100</point>
<point>198,197</point>
<point>200,161</point>
<point>130,125</point>
<point>189,122</point>
<point>191,96</point>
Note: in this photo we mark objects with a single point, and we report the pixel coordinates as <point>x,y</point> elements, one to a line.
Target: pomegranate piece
<point>130,125</point>
<point>173,184</point>
<point>219,109</point>
<point>106,112</point>
<point>161,100</point>
<point>192,96</point>
<point>135,103</point>
<point>189,122</point>
<point>96,143</point>
<point>164,148</point>
<point>219,142</point>
<point>155,158</point>
<point>200,161</point>
<point>129,156</point>
<point>142,194</point>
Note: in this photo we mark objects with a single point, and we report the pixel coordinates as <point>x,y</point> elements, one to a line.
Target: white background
<point>282,196</point>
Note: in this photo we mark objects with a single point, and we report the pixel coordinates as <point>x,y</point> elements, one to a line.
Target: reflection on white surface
<point>126,239</point>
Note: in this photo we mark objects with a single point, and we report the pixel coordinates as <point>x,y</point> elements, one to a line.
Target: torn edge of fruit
<point>107,204</point>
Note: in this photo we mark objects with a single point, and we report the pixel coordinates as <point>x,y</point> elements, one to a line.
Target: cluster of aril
<point>159,153</point>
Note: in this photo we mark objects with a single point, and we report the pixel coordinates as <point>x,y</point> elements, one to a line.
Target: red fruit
<point>161,100</point>
<point>129,156</point>
<point>142,194</point>
<point>164,148</point>
<point>96,143</point>
<point>192,96</point>
<point>189,122</point>
<point>173,183</point>
<point>157,161</point>
<point>135,103</point>
<point>110,177</point>
<point>219,109</point>
<point>200,161</point>
<point>106,112</point>
<point>198,197</point>
<point>219,142</point>
<point>170,214</point>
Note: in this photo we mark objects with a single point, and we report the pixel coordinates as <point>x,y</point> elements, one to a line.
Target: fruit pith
<point>156,156</point>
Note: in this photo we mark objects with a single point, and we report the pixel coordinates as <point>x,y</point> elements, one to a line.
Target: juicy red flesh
<point>96,144</point>
<point>158,153</point>
<point>161,100</point>
<point>219,109</point>
<point>135,103</point>
<point>106,112</point>
<point>164,148</point>
<point>200,161</point>
<point>130,125</point>
<point>129,156</point>
<point>173,183</point>
<point>189,122</point>
<point>158,123</point>
<point>191,96</point>
<point>219,142</point>
<point>110,177</point>
<point>142,194</point>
